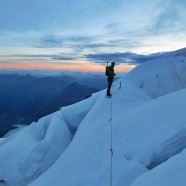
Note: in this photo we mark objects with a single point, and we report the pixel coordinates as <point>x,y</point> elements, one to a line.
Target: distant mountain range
<point>25,98</point>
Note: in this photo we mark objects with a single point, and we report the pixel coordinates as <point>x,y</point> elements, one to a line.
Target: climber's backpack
<point>107,70</point>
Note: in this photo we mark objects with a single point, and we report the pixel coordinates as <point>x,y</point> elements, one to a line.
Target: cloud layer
<point>94,31</point>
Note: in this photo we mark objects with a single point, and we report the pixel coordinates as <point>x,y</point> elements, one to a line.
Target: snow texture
<point>148,119</point>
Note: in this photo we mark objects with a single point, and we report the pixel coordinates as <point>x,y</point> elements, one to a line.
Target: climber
<point>110,73</point>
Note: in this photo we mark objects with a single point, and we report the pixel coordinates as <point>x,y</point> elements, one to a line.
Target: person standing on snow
<point>110,73</point>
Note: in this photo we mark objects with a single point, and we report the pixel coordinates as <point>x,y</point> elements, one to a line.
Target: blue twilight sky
<point>81,34</point>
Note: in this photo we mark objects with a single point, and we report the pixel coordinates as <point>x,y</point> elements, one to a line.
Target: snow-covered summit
<point>161,76</point>
<point>148,126</point>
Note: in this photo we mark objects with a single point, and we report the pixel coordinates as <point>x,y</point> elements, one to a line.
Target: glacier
<point>71,147</point>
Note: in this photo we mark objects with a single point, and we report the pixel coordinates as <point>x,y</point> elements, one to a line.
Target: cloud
<point>35,56</point>
<point>78,43</point>
<point>39,15</point>
<point>57,41</point>
<point>94,30</point>
<point>171,18</point>
<point>126,57</point>
<point>50,41</point>
<point>63,58</point>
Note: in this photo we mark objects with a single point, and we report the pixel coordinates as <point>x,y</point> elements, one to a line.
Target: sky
<point>83,35</point>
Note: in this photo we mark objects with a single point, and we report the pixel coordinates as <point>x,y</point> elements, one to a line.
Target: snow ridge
<point>160,77</point>
<point>149,135</point>
<point>175,145</point>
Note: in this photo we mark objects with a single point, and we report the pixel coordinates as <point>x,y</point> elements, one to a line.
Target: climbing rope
<point>111,150</point>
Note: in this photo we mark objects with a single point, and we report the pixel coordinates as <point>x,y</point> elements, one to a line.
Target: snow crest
<point>72,146</point>
<point>160,77</point>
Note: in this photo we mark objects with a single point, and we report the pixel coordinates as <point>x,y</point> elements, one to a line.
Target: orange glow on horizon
<point>71,67</point>
<point>49,66</point>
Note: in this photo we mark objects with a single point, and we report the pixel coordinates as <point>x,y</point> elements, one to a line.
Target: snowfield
<point>148,135</point>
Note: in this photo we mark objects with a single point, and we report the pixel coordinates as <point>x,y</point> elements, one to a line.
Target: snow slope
<point>161,76</point>
<point>170,173</point>
<point>32,150</point>
<point>149,135</point>
<point>88,154</point>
